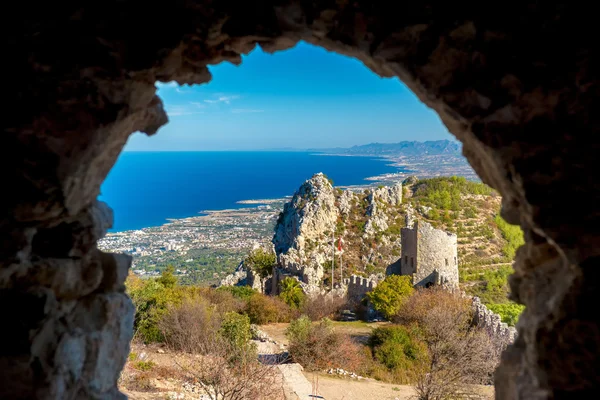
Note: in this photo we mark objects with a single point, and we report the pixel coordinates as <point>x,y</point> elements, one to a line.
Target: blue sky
<point>304,97</point>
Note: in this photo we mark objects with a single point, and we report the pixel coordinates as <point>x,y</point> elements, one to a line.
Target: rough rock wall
<point>244,276</point>
<point>80,79</point>
<point>502,334</point>
<point>380,197</point>
<point>303,233</point>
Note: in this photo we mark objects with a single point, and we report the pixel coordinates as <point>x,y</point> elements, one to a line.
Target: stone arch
<point>517,84</point>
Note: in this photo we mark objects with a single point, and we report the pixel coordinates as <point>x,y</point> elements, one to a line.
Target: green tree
<point>389,296</point>
<point>513,235</point>
<point>168,278</point>
<point>261,261</point>
<point>509,312</point>
<point>291,292</point>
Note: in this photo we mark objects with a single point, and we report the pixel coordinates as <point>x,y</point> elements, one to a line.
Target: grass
<point>144,365</point>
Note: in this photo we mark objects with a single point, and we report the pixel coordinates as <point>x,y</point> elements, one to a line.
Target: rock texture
<point>378,221</point>
<point>304,227</point>
<point>502,334</point>
<point>244,276</point>
<point>516,83</point>
<point>430,255</point>
<point>304,234</point>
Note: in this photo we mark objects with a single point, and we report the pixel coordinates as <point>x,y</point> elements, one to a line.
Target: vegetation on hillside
<point>262,261</point>
<point>389,296</point>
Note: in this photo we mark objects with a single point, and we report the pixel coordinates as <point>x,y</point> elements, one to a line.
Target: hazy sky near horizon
<point>304,97</point>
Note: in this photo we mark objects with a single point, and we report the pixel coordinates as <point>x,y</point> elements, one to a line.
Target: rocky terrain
<point>368,223</point>
<point>319,216</point>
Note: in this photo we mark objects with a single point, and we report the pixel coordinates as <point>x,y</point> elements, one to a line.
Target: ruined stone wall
<point>408,252</point>
<point>437,256</point>
<point>358,286</point>
<point>501,334</point>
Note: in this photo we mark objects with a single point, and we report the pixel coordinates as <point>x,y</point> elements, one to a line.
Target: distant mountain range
<point>405,148</point>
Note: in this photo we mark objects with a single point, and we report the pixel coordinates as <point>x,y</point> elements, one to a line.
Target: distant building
<point>429,255</point>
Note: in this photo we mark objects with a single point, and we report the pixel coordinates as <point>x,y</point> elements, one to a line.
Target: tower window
<point>412,261</point>
<point>446,262</point>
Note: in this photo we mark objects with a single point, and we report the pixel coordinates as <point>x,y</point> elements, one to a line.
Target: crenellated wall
<point>502,334</point>
<point>359,286</point>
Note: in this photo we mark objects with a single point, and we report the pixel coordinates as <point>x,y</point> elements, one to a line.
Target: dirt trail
<point>332,388</point>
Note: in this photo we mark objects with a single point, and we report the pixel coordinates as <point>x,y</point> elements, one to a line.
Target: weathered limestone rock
<point>306,223</point>
<point>517,84</point>
<point>244,276</point>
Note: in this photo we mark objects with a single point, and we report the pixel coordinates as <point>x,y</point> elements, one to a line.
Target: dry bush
<point>322,306</point>
<point>460,354</point>
<point>222,379</point>
<point>267,309</point>
<point>317,347</point>
<point>224,301</point>
<point>191,326</point>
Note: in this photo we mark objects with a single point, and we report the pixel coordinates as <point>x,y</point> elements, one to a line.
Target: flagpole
<point>332,258</point>
<point>341,265</point>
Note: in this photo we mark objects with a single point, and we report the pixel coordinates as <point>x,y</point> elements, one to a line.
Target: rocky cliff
<point>319,215</point>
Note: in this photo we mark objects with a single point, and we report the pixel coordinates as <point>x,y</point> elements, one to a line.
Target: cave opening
<point>498,79</point>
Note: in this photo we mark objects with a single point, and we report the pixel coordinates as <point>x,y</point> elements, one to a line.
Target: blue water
<point>146,188</point>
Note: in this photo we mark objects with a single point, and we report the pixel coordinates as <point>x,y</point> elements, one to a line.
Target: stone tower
<point>430,255</point>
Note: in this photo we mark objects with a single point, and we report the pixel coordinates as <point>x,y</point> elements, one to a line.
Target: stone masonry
<point>429,255</point>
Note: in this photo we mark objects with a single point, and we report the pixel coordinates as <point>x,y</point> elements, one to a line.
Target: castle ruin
<point>429,255</point>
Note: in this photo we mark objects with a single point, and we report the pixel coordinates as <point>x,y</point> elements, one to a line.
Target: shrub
<point>151,300</point>
<point>261,261</point>
<point>389,295</point>
<point>291,292</point>
<point>144,365</point>
<point>513,235</point>
<point>509,312</point>
<point>321,306</point>
<point>460,355</point>
<point>263,309</point>
<point>224,378</point>
<point>190,326</point>
<point>240,292</point>
<point>317,347</point>
<point>399,349</point>
<point>235,328</point>
<point>223,300</point>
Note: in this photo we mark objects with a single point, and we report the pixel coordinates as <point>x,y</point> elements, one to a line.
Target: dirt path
<point>331,388</point>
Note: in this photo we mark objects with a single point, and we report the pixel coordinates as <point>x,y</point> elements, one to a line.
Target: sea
<point>147,188</point>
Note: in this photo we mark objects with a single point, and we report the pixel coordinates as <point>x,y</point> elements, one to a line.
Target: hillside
<point>369,222</point>
<point>404,148</point>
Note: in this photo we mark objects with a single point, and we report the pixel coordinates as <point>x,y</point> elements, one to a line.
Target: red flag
<point>340,244</point>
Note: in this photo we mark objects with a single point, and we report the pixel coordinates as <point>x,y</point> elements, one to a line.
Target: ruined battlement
<point>358,286</point>
<point>502,334</point>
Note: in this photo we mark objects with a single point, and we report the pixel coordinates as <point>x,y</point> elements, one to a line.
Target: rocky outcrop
<point>378,199</point>
<point>501,334</point>
<point>245,276</point>
<point>303,233</point>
